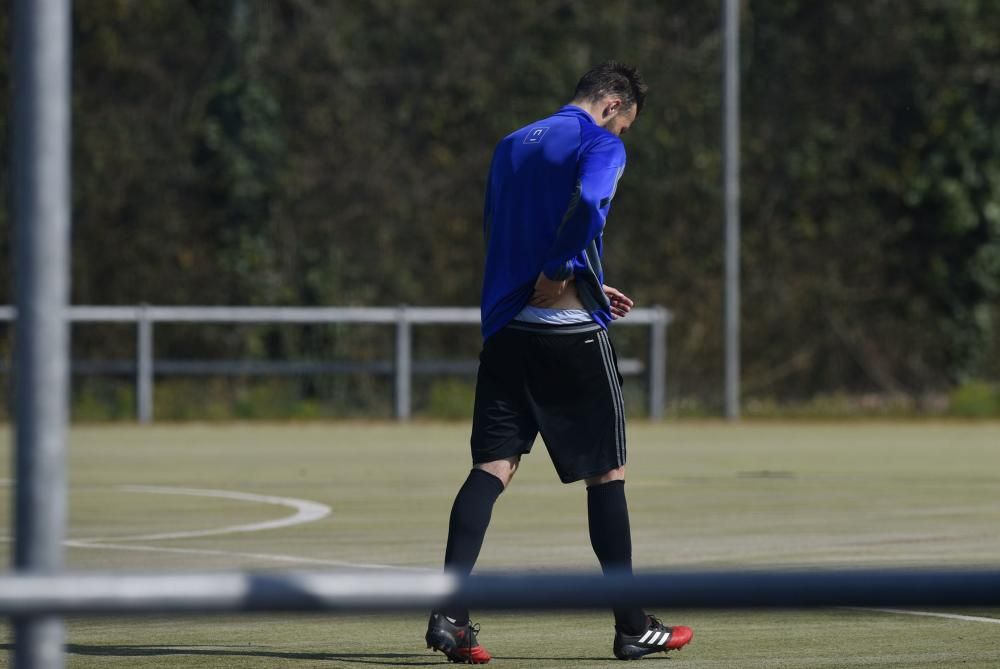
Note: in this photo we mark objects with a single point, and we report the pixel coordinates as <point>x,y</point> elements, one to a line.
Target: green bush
<point>451,399</point>
<point>975,399</point>
<point>192,399</point>
<point>102,400</point>
<point>834,405</point>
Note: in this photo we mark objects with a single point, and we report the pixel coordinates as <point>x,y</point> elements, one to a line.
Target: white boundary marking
<point>256,556</point>
<point>305,512</point>
<point>931,614</point>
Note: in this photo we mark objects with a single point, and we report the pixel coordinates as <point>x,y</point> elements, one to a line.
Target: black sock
<point>470,516</point>
<point>611,537</point>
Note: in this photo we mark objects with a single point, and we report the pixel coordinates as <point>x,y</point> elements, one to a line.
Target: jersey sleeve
<point>600,167</point>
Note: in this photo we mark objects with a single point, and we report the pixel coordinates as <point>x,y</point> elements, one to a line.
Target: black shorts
<point>560,380</point>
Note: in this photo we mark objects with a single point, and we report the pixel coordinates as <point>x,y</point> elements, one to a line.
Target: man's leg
<point>450,631</point>
<point>470,516</point>
<point>574,387</point>
<point>502,430</point>
<point>636,634</point>
<point>611,537</point>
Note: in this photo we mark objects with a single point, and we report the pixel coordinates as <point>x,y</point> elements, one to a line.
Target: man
<point>547,365</point>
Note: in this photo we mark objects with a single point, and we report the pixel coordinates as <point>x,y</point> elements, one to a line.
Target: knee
<point>502,469</point>
<point>608,476</point>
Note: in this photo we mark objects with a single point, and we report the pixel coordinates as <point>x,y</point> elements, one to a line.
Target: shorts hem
<point>493,456</point>
<point>573,478</point>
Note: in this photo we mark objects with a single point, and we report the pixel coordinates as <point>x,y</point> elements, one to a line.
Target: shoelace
<point>474,632</point>
<point>655,622</point>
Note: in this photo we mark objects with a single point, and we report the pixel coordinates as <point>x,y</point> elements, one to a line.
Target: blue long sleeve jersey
<point>547,198</point>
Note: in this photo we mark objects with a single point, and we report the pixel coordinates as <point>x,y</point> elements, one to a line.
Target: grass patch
<point>703,495</point>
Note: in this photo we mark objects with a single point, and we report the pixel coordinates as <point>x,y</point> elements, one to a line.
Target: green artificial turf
<point>701,496</point>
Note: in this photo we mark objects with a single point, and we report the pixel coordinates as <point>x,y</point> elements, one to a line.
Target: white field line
<point>930,614</point>
<point>256,556</point>
<point>305,512</point>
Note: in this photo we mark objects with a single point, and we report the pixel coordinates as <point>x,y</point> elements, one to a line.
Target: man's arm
<point>601,166</point>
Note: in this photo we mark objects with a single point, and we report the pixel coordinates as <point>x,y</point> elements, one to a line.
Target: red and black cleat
<point>656,638</point>
<point>459,643</point>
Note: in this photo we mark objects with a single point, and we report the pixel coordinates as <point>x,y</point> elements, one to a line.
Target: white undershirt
<point>532,314</point>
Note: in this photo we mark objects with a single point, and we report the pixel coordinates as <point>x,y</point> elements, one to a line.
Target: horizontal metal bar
<point>467,315</point>
<point>215,592</point>
<point>231,367</point>
<point>303,315</point>
<point>252,314</point>
<point>106,593</point>
<point>627,366</point>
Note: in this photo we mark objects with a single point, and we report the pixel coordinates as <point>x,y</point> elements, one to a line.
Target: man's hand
<point>547,291</point>
<point>621,303</point>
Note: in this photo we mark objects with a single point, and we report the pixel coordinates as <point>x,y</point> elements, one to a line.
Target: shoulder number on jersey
<point>535,135</point>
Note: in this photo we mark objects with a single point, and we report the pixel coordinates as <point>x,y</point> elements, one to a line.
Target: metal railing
<point>403,318</point>
<point>83,593</point>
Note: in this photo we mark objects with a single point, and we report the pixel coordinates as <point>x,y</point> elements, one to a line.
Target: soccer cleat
<point>654,639</point>
<point>459,643</point>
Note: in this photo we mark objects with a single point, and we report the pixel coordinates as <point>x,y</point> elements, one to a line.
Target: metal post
<point>144,367</point>
<point>404,364</point>
<point>658,363</point>
<point>731,183</point>
<point>41,214</point>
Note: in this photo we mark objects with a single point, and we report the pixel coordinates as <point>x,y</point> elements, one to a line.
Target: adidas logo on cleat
<point>656,638</point>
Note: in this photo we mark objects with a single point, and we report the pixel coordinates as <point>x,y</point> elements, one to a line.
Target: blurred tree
<point>871,182</point>
<point>308,152</point>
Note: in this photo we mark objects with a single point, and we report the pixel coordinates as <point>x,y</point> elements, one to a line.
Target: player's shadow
<point>381,659</point>
<point>606,658</point>
<point>142,650</point>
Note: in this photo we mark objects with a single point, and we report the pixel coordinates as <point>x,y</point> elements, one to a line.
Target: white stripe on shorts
<point>616,394</point>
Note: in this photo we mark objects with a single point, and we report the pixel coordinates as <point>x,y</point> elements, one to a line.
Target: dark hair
<point>613,78</point>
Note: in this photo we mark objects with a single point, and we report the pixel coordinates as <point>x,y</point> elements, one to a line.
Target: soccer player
<point>547,365</point>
